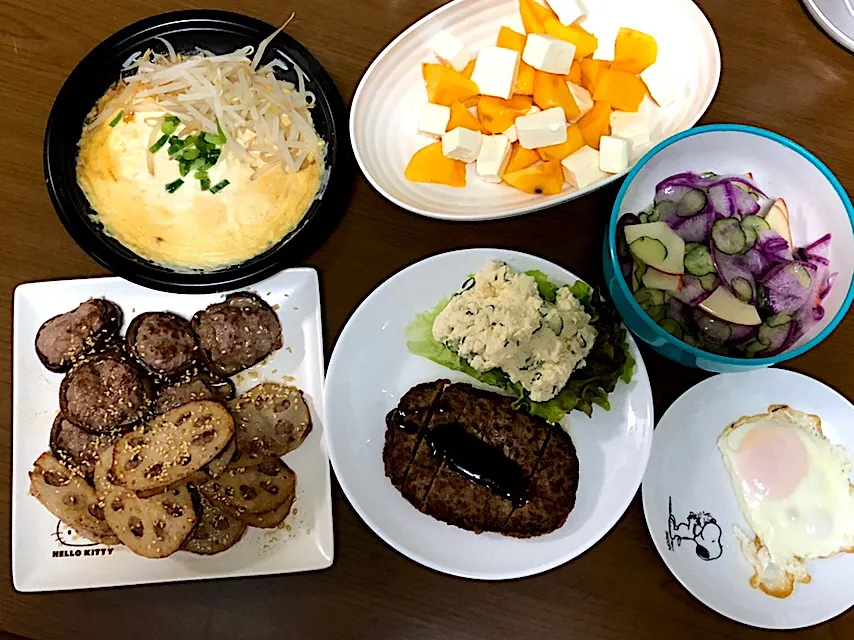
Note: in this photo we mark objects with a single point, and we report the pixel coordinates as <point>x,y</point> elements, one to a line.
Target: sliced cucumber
<point>699,261</point>
<point>742,288</point>
<point>755,222</point>
<point>690,246</point>
<point>710,174</point>
<point>690,340</point>
<point>692,203</point>
<point>658,313</point>
<point>660,209</point>
<point>672,327</point>
<point>714,330</point>
<point>754,347</point>
<point>650,250</point>
<point>750,236</point>
<point>728,236</point>
<point>649,298</point>
<point>779,320</point>
<point>638,272</point>
<point>709,282</point>
<point>769,335</point>
<point>644,218</point>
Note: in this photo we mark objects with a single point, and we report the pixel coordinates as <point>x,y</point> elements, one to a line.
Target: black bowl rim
<point>97,245</point>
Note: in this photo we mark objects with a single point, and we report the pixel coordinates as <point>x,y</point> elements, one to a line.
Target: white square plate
<point>46,557</point>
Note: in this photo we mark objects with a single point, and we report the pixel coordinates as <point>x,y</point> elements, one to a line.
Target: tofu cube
<point>511,133</point>
<point>534,109</point>
<point>462,144</point>
<point>614,154</point>
<point>493,157</point>
<point>660,84</point>
<point>581,169</point>
<point>542,129</point>
<point>450,50</point>
<point>433,119</point>
<point>568,11</point>
<point>631,126</point>
<point>549,54</point>
<point>582,98</point>
<point>495,71</point>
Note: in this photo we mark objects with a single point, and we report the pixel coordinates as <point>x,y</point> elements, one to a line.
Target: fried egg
<point>794,489</point>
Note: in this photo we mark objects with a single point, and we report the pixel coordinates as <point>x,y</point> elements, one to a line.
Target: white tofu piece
<point>433,119</point>
<point>582,98</point>
<point>542,129</point>
<point>549,54</point>
<point>614,154</point>
<point>534,109</point>
<point>581,169</point>
<point>495,71</point>
<point>660,84</point>
<point>462,144</point>
<point>631,126</point>
<point>450,50</point>
<point>493,157</point>
<point>511,134</point>
<point>568,11</point>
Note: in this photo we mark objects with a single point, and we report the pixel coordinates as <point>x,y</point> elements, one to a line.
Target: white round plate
<point>384,113</point>
<point>686,471</point>
<point>371,369</point>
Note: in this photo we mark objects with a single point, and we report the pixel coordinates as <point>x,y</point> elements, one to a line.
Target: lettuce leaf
<point>608,362</point>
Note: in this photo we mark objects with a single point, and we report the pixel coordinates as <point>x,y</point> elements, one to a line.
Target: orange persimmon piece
<point>497,115</point>
<point>634,50</point>
<point>585,42</point>
<point>596,123</point>
<point>551,90</point>
<point>446,85</point>
<point>521,158</point>
<point>540,179</point>
<point>624,91</point>
<point>469,69</point>
<point>462,117</point>
<point>534,15</point>
<point>429,164</point>
<point>591,71</point>
<point>509,39</point>
<point>574,74</point>
<point>574,141</point>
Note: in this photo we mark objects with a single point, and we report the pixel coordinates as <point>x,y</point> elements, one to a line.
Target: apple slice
<point>722,304</point>
<point>655,279</point>
<point>657,245</point>
<point>778,219</point>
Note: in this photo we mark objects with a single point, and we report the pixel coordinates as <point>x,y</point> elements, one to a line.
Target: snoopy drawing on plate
<point>699,529</point>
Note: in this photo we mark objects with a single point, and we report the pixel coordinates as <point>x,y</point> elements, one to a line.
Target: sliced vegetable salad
<point>713,263</point>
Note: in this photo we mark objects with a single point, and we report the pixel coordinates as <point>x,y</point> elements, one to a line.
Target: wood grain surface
<point>779,72</point>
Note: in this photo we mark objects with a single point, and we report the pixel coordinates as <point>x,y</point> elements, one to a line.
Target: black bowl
<point>217,31</point>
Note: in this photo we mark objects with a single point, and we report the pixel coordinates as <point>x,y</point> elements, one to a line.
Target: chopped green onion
<point>159,144</point>
<point>117,119</point>
<point>219,186</point>
<point>213,155</point>
<point>183,168</point>
<point>201,174</point>
<point>170,125</point>
<point>202,144</point>
<point>190,154</point>
<point>172,187</point>
<point>205,184</point>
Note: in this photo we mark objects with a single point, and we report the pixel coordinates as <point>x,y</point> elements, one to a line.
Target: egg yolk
<point>772,461</point>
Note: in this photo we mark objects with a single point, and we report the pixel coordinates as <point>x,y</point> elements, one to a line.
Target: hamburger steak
<point>162,342</point>
<point>66,338</point>
<point>466,457</point>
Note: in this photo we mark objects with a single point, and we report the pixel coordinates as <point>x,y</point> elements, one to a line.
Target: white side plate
<point>371,369</point>
<point>384,114</point>
<point>47,557</point>
<point>686,468</point>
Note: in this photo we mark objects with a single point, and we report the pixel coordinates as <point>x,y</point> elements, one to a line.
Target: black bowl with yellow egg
<point>187,31</point>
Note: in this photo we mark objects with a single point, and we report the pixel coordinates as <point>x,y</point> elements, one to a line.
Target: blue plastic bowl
<point>817,204</point>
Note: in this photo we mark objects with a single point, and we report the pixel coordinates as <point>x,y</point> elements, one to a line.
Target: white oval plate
<point>371,369</point>
<point>384,113</point>
<point>686,467</point>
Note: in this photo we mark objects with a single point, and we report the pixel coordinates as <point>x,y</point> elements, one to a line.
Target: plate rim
<point>325,544</point>
<point>645,499</point>
<point>518,211</point>
<point>641,372</point>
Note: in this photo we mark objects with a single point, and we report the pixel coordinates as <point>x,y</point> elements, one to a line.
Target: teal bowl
<point>782,168</point>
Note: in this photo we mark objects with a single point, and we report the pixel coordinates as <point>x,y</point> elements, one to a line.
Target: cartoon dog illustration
<point>700,528</point>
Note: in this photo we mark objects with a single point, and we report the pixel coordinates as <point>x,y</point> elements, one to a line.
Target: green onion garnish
<point>205,184</point>
<point>190,154</point>
<point>219,186</point>
<point>183,168</point>
<point>172,187</point>
<point>162,140</point>
<point>170,125</point>
<point>201,174</point>
<point>117,119</point>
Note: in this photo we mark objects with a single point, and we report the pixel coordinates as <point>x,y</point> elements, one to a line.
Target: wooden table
<point>779,72</point>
